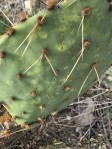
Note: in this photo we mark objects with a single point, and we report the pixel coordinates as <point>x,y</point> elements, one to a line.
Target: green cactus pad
<point>30,91</point>
<point>3,25</point>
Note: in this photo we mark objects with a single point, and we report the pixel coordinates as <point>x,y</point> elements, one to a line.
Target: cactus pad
<point>46,71</point>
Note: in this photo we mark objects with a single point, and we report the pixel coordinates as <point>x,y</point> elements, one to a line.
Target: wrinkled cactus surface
<point>50,59</point>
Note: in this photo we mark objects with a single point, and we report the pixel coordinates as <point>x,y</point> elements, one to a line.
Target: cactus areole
<point>50,59</point>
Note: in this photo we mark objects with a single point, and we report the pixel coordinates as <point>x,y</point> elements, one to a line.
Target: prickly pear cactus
<point>49,60</point>
<point>3,25</point>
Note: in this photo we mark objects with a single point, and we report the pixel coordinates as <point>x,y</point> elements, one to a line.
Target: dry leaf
<point>86,116</point>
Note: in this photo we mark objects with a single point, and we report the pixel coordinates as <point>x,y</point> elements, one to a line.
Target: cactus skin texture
<point>38,92</point>
<point>3,26</point>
